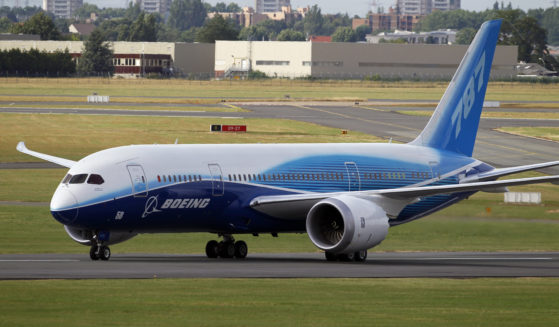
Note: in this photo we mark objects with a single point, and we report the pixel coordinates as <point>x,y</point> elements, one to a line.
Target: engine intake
<point>346,224</point>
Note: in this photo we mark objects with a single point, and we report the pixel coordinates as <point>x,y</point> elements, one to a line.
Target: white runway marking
<point>37,260</point>
<point>474,258</point>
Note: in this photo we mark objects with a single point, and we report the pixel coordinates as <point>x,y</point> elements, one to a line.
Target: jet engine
<point>346,224</point>
<point>85,236</point>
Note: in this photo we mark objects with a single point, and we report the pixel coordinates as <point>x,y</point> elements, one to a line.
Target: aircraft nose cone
<point>63,206</point>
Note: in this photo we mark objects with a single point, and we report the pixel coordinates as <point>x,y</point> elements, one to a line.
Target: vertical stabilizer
<point>453,126</point>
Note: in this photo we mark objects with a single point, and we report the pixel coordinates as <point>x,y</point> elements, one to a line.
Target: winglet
<point>59,161</point>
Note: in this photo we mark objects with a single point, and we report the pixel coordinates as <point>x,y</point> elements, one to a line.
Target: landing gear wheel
<point>241,250</point>
<point>104,253</point>
<point>347,257</point>
<point>360,256</point>
<point>331,256</point>
<point>94,253</point>
<point>212,249</point>
<point>226,249</point>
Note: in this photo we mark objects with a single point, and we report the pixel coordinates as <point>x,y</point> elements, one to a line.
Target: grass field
<point>62,135</point>
<point>266,89</point>
<point>546,133</point>
<point>281,302</point>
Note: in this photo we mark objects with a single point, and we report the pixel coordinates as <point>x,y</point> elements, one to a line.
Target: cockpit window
<point>96,179</point>
<point>78,179</point>
<point>66,179</point>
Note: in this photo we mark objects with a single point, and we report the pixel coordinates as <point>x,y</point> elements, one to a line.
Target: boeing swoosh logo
<point>151,206</point>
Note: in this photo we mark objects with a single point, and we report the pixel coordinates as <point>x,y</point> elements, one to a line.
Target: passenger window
<point>78,179</point>
<point>200,178</point>
<point>66,179</point>
<point>95,179</point>
<point>175,178</point>
<point>159,178</point>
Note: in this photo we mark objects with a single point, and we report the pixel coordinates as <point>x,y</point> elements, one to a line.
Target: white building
<point>425,7</point>
<point>62,8</point>
<point>263,6</point>
<point>155,6</point>
<point>414,7</point>
<point>446,5</point>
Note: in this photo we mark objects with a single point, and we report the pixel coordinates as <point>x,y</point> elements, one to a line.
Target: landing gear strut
<point>359,256</point>
<point>227,248</point>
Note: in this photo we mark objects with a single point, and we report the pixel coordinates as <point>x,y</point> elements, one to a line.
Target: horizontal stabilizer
<point>500,172</point>
<point>59,161</point>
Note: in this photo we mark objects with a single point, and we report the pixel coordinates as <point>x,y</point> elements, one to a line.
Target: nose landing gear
<point>227,248</point>
<point>98,251</point>
<point>101,252</point>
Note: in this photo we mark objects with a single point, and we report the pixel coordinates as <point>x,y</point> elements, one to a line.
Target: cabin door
<point>353,176</point>
<point>138,179</point>
<point>217,179</point>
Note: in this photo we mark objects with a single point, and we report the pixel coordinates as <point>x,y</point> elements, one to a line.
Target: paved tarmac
<point>305,265</point>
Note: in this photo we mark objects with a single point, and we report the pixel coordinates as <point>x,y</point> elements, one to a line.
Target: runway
<point>305,265</point>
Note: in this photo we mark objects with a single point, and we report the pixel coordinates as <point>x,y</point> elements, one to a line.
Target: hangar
<point>350,60</point>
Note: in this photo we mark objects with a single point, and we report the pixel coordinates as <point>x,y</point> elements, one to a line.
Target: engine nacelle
<point>85,236</point>
<point>346,224</point>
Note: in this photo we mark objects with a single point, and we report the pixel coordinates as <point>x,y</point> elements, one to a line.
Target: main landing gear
<point>359,256</point>
<point>227,248</point>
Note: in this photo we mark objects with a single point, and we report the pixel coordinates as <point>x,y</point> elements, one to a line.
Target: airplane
<point>344,196</point>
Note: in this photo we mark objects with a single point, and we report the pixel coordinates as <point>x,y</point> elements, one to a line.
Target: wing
<point>59,161</point>
<point>296,206</point>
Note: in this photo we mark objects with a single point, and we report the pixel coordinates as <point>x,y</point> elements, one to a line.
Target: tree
<point>97,56</point>
<point>523,31</point>
<point>291,35</point>
<point>5,25</point>
<point>313,21</point>
<point>40,24</point>
<point>344,34</point>
<point>185,14</point>
<point>362,32</point>
<point>465,35</point>
<point>217,28</point>
<point>144,28</point>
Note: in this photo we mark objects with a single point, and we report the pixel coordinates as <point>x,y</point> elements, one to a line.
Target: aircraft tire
<point>226,249</point>
<point>241,250</point>
<point>330,256</point>
<point>346,257</point>
<point>93,254</point>
<point>212,249</point>
<point>360,256</point>
<point>104,253</point>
